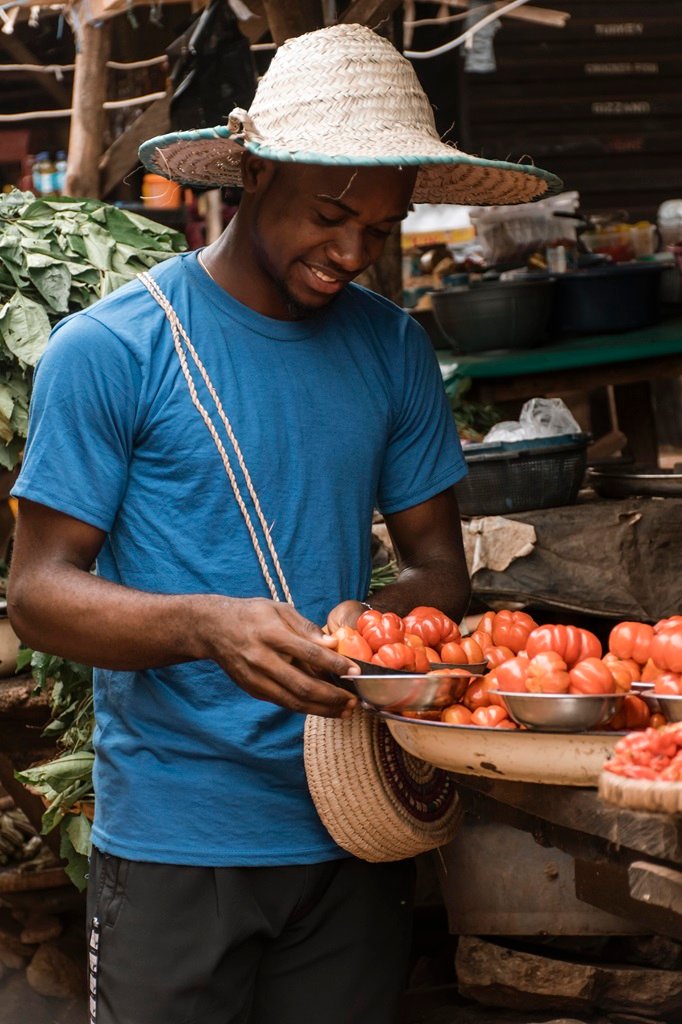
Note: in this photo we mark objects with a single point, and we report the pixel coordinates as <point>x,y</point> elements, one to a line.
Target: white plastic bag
<point>540,417</point>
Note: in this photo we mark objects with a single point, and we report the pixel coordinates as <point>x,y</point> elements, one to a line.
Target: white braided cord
<point>178,332</point>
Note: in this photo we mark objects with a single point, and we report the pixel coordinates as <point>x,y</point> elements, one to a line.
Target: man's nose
<point>348,250</point>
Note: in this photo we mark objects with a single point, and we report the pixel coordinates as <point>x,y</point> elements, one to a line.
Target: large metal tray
<point>628,482</point>
<point>558,759</point>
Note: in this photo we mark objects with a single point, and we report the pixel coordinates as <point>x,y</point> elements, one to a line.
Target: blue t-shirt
<point>336,415</point>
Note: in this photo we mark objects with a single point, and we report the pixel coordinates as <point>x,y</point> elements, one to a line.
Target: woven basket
<point>641,794</point>
<point>376,801</point>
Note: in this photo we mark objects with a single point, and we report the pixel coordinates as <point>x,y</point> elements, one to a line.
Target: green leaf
<point>77,861</point>
<point>25,328</point>
<point>52,280</point>
<point>79,829</point>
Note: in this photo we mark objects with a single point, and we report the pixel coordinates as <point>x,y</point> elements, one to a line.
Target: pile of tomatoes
<point>523,657</point>
<point>655,754</point>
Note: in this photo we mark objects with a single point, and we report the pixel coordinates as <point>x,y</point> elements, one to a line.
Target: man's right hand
<point>275,654</point>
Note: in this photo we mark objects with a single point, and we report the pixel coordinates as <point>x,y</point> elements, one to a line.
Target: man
<point>216,438</point>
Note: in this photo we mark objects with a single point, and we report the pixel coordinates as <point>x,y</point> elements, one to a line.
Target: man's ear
<point>257,173</point>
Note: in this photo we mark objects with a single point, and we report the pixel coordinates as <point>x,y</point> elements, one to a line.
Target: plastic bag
<point>540,417</point>
<point>508,235</point>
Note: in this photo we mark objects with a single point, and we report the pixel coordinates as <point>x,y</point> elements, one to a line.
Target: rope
<point>178,331</point>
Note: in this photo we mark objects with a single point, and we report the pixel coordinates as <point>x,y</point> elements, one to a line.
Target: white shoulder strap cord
<point>178,331</point>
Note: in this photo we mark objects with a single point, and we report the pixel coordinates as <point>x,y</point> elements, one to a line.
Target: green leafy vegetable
<point>57,256</point>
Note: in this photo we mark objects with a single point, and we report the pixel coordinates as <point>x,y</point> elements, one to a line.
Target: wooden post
<point>86,138</point>
<point>288,18</point>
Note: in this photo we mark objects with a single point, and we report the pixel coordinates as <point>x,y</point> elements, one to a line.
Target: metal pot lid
<point>619,481</point>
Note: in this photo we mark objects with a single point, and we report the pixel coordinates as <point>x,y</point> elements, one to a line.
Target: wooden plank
<point>369,12</point>
<point>656,885</point>
<point>21,53</point>
<point>121,157</point>
<point>607,885</point>
<point>288,18</point>
<point>88,118</point>
<point>581,810</point>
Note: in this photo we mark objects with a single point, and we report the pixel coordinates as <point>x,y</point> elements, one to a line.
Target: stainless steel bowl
<point>398,693</point>
<point>562,712</point>
<point>670,705</point>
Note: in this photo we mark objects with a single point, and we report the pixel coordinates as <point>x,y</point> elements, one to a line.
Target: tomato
<point>484,640</point>
<point>625,671</point>
<point>453,654</point>
<point>547,674</point>
<point>511,629</point>
<point>571,642</point>
<point>478,695</point>
<point>669,684</point>
<point>506,723</point>
<point>488,717</point>
<point>485,625</point>
<point>456,714</point>
<point>631,640</point>
<point>651,672</point>
<point>635,712</point>
<point>395,656</point>
<point>666,648</point>
<point>379,628</point>
<point>473,652</point>
<point>496,655</point>
<point>591,675</point>
<point>433,626</point>
<point>511,675</point>
<point>412,640</point>
<point>351,643</point>
<point>673,622</point>
<point>657,720</point>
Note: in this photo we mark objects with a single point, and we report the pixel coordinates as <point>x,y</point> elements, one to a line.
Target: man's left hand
<point>345,614</point>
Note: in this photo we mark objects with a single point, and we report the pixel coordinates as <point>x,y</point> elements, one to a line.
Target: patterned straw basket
<point>375,800</point>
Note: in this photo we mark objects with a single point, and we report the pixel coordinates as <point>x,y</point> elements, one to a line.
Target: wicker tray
<point>641,794</point>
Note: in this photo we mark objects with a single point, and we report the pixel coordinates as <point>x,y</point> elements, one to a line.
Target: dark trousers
<point>304,944</point>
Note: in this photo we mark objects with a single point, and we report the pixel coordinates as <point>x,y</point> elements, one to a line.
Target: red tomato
<point>625,671</point>
<point>477,695</point>
<point>635,712</point>
<point>473,652</point>
<point>352,644</point>
<point>571,642</point>
<point>511,675</point>
<point>511,629</point>
<point>506,723</point>
<point>488,717</point>
<point>484,640</point>
<point>432,625</point>
<point>485,625</point>
<point>670,684</point>
<point>412,640</point>
<point>547,674</point>
<point>456,714</point>
<point>631,640</point>
<point>673,622</point>
<point>657,720</point>
<point>591,675</point>
<point>395,656</point>
<point>496,655</point>
<point>379,628</point>
<point>666,648</point>
<point>453,654</point>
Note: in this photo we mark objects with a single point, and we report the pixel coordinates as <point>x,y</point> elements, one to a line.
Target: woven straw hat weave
<point>375,800</point>
<point>344,96</point>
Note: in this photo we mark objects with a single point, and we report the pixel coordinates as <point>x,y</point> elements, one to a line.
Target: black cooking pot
<point>494,314</point>
<point>616,297</point>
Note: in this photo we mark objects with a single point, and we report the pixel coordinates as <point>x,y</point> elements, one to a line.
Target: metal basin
<point>562,712</point>
<point>669,705</point>
<point>401,692</point>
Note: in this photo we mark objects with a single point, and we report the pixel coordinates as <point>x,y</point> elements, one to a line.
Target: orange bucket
<point>160,193</point>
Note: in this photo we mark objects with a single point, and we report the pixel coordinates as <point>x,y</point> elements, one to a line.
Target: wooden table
<point>626,862</point>
<point>629,362</point>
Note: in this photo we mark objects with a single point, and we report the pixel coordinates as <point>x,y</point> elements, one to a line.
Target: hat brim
<point>211,158</point>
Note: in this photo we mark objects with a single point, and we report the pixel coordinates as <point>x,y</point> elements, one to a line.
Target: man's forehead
<point>388,187</point>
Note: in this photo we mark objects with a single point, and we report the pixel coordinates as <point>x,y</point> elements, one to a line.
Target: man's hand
<point>275,654</point>
<point>345,614</point>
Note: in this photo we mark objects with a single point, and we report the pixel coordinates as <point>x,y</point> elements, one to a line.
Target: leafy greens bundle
<point>59,255</point>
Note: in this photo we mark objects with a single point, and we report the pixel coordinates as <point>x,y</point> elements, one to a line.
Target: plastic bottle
<point>37,171</point>
<point>60,172</point>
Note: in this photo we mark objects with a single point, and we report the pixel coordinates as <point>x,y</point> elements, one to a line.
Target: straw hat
<point>375,800</point>
<point>344,96</point>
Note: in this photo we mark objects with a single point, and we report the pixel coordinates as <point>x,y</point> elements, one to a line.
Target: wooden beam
<point>369,12</point>
<point>21,53</point>
<point>121,157</point>
<point>88,118</point>
<point>288,18</point>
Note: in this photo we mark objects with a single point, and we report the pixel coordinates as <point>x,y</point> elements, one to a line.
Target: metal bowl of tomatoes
<point>562,712</point>
<point>399,692</point>
<point>667,703</point>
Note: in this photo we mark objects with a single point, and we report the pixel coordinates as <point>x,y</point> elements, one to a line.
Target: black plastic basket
<point>514,476</point>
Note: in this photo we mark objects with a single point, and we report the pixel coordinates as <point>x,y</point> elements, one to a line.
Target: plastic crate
<point>514,476</point>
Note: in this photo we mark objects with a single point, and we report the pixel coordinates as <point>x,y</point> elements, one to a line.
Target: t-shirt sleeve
<point>81,423</point>
<point>424,455</point>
